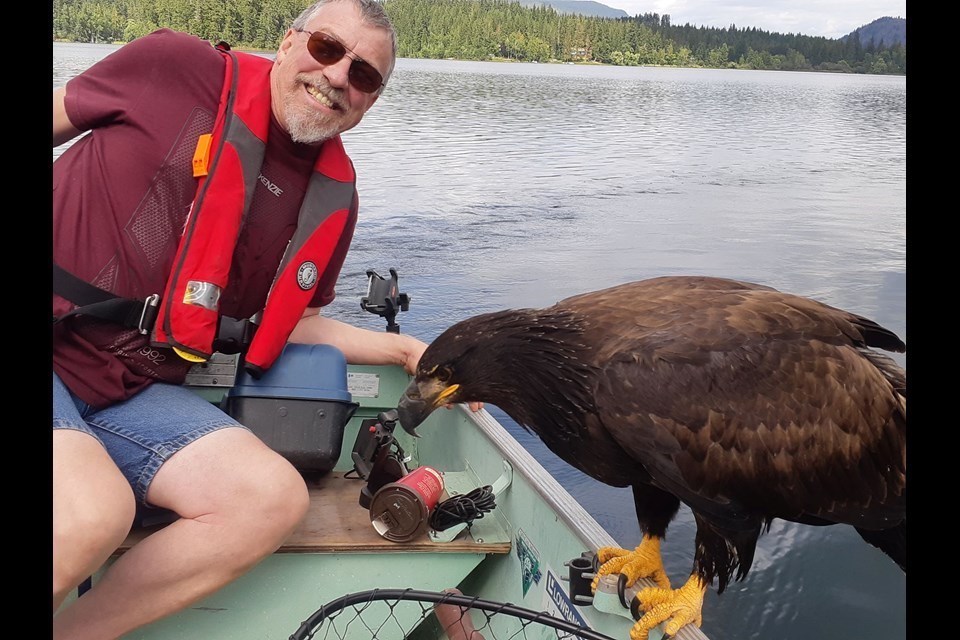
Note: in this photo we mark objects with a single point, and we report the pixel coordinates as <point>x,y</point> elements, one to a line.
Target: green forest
<point>490,30</point>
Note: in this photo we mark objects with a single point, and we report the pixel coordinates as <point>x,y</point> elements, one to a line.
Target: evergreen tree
<point>485,29</point>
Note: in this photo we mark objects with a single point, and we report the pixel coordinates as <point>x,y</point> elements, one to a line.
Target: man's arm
<point>63,129</point>
<point>359,346</point>
<point>362,346</point>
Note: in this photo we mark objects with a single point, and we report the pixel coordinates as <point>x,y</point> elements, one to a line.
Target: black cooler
<point>299,407</point>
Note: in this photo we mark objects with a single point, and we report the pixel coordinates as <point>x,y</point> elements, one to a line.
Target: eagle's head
<point>500,358</point>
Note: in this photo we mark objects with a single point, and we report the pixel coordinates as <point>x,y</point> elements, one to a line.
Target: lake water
<point>492,185</point>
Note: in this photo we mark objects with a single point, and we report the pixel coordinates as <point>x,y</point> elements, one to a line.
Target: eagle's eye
<point>444,374</point>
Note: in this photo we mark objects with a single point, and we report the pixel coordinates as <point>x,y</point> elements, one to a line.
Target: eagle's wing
<point>746,400</point>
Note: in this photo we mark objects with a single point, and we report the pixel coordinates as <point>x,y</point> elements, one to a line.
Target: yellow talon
<point>642,562</point>
<point>676,607</point>
<point>605,554</point>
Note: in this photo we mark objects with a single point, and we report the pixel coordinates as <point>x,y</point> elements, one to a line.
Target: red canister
<point>400,510</point>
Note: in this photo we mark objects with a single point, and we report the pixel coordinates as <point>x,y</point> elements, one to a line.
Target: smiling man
<point>315,106</point>
<point>206,180</point>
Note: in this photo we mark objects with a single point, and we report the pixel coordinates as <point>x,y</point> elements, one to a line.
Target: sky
<point>828,18</point>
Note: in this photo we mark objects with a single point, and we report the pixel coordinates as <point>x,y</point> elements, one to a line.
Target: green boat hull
<point>517,554</point>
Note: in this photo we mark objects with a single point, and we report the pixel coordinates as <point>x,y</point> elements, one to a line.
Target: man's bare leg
<point>455,621</point>
<point>93,509</point>
<point>238,499</point>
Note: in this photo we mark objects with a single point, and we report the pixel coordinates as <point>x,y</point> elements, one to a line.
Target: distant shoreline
<point>582,63</point>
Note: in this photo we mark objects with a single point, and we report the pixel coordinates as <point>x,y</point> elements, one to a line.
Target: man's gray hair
<point>371,12</point>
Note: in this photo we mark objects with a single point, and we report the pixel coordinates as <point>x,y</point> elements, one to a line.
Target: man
<point>194,183</point>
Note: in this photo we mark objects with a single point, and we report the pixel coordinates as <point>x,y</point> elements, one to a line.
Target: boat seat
<point>336,523</point>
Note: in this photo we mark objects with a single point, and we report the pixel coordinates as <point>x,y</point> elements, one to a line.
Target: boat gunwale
<point>545,485</point>
<point>571,512</point>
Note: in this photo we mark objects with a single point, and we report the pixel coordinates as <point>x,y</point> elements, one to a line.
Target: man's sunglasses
<point>327,50</point>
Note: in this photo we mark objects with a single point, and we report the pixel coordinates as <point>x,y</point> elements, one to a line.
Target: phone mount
<point>377,457</point>
<point>384,298</point>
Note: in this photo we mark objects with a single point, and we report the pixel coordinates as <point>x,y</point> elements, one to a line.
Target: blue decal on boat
<point>529,561</point>
<point>560,600</point>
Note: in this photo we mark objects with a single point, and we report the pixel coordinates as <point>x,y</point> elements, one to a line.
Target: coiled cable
<point>464,508</point>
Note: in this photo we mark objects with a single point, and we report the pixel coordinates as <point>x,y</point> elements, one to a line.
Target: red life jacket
<point>228,166</point>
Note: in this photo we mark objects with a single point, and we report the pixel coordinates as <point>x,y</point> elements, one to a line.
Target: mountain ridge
<point>886,29</point>
<point>581,7</point>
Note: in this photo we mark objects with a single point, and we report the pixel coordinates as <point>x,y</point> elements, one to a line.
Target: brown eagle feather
<point>743,402</point>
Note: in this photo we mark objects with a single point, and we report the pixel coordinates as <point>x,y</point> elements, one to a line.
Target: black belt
<point>233,335</point>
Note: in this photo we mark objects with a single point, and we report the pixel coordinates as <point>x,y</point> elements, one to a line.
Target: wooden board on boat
<point>336,523</point>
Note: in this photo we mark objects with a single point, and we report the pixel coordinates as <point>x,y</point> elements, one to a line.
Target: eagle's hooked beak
<point>419,401</point>
<point>412,409</point>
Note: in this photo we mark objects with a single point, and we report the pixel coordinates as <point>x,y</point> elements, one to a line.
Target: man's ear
<point>285,45</point>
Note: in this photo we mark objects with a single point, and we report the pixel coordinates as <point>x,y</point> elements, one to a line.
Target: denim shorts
<point>141,433</point>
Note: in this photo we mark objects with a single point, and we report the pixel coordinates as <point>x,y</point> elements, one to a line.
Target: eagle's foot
<point>676,607</point>
<point>642,562</point>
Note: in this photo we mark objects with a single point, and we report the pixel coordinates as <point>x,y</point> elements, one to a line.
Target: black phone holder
<point>384,298</point>
<point>377,457</point>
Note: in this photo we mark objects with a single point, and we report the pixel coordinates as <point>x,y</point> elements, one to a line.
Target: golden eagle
<point>742,402</point>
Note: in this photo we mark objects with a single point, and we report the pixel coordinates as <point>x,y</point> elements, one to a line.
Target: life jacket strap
<point>233,335</point>
<point>94,301</point>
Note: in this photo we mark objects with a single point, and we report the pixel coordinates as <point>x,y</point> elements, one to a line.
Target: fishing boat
<point>526,560</point>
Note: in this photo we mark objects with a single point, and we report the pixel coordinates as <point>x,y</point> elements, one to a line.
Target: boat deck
<point>336,523</point>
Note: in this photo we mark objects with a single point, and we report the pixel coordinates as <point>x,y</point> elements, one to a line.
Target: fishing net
<point>408,614</point>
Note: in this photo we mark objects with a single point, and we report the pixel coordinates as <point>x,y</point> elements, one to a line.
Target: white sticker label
<point>558,603</point>
<point>366,385</point>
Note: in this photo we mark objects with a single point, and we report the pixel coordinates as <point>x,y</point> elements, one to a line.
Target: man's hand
<point>474,406</point>
<point>412,355</point>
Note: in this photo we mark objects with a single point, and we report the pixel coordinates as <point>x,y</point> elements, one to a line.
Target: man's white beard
<point>306,126</point>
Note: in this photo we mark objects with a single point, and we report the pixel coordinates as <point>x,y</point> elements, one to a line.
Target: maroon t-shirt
<point>121,194</point>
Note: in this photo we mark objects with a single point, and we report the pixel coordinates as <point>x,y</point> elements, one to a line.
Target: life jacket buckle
<point>149,314</point>
<point>234,335</point>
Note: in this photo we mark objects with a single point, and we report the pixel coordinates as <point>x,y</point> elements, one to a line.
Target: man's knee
<point>230,477</point>
<point>271,510</point>
<point>284,499</point>
<point>109,518</point>
<point>86,532</point>
<point>93,504</point>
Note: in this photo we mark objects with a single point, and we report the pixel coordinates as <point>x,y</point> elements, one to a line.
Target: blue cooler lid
<point>308,371</point>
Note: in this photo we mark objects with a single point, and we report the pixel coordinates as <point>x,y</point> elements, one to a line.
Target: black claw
<point>635,609</point>
<point>621,588</point>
